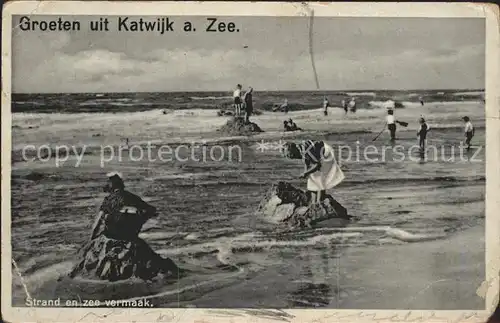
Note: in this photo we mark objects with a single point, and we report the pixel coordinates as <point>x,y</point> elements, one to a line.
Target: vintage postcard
<point>250,162</point>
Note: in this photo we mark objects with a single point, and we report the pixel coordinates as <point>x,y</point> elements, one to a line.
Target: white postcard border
<point>443,10</point>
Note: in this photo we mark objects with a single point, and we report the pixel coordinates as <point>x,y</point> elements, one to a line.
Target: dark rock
<point>289,205</point>
<point>237,126</point>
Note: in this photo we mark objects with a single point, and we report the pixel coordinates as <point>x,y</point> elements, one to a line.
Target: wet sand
<point>440,274</point>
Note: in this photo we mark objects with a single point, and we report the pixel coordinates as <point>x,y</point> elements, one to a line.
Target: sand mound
<point>237,127</point>
<point>286,204</point>
<point>111,259</point>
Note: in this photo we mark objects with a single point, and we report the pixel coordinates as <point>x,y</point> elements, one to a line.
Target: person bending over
<point>320,169</point>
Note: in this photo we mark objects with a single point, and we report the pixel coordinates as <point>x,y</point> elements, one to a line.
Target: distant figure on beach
<point>293,125</point>
<point>469,131</point>
<point>247,98</point>
<point>289,125</point>
<point>126,144</point>
<point>326,104</point>
<point>421,101</point>
<point>286,126</point>
<point>284,106</point>
<point>344,106</point>
<point>352,105</point>
<point>320,169</point>
<point>391,124</point>
<point>237,100</point>
<point>422,134</point>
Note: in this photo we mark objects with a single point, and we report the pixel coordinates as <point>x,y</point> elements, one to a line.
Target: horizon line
<point>229,91</point>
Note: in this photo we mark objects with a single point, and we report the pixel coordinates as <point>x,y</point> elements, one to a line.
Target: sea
<point>298,100</point>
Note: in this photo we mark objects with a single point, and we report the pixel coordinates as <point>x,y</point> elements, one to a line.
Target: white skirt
<point>330,174</point>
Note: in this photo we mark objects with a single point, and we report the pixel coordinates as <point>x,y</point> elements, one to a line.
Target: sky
<point>268,53</point>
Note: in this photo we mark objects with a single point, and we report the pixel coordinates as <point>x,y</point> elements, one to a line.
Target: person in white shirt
<point>284,106</point>
<point>391,124</point>
<point>352,105</point>
<point>237,100</point>
<point>469,131</point>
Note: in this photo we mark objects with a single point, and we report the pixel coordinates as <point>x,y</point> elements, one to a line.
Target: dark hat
<point>114,175</point>
<point>466,118</point>
<point>116,179</point>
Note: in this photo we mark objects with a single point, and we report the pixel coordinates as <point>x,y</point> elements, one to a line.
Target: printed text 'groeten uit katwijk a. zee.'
<point>159,25</point>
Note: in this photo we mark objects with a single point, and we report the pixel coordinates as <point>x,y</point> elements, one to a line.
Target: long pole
<point>380,132</point>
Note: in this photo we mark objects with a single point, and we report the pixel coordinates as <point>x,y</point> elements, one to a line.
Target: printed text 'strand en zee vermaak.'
<point>159,25</point>
<point>87,303</point>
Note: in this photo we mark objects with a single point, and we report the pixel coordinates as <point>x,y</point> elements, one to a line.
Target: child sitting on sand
<point>290,125</point>
<point>293,125</point>
<point>286,126</point>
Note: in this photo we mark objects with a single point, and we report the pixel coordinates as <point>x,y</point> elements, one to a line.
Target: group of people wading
<point>424,129</point>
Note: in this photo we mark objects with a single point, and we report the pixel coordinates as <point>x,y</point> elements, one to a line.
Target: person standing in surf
<point>352,105</point>
<point>237,100</point>
<point>321,169</point>
<point>422,134</point>
<point>469,131</point>
<point>344,106</point>
<point>326,104</point>
<point>391,124</point>
<point>284,106</point>
<point>247,98</point>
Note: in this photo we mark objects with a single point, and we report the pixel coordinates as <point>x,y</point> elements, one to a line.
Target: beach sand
<point>440,274</point>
